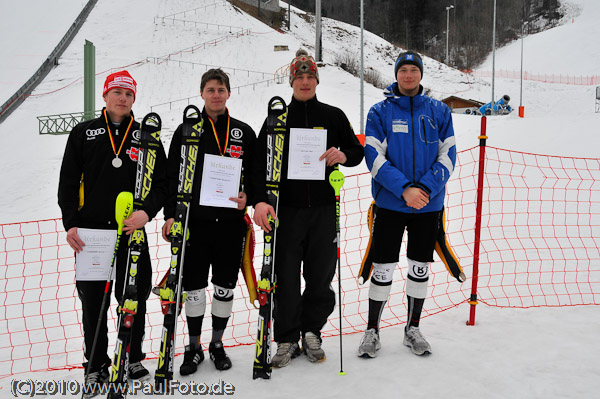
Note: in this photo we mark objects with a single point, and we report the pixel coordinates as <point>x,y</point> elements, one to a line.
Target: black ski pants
<point>91,293</point>
<point>217,243</point>
<point>304,247</point>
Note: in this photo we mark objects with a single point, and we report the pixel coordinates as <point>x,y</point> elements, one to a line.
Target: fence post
<point>473,300</point>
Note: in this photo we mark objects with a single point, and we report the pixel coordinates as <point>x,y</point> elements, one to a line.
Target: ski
<point>123,208</point>
<point>149,145</point>
<point>276,130</point>
<point>171,295</point>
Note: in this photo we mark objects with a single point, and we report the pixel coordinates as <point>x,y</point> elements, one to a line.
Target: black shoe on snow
<point>191,359</point>
<point>94,381</point>
<point>218,355</point>
<point>137,371</point>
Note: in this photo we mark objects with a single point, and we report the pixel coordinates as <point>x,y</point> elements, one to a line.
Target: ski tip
<point>152,119</point>
<point>196,114</point>
<point>275,101</point>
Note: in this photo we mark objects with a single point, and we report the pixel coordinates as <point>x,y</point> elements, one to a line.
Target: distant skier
<point>410,150</point>
<point>100,161</point>
<point>216,234</point>
<point>305,245</point>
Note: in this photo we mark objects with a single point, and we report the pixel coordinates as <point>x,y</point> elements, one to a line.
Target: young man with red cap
<point>306,231</point>
<point>100,161</point>
<point>217,231</point>
<point>410,150</point>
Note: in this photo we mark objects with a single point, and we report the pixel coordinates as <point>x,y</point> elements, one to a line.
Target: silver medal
<point>117,162</point>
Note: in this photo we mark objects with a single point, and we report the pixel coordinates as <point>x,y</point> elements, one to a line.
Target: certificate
<point>306,146</point>
<point>94,261</point>
<point>220,180</point>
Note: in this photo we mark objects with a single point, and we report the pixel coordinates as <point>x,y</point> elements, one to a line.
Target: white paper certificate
<point>306,146</point>
<point>94,261</point>
<point>220,180</point>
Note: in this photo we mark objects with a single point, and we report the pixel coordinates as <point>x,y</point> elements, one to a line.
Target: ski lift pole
<point>473,299</point>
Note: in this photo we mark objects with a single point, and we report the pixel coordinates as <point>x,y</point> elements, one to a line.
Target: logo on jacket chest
<point>133,153</point>
<point>93,133</point>
<point>235,151</point>
<point>399,126</point>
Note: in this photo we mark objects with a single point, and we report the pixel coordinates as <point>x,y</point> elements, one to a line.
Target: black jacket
<point>307,193</point>
<point>240,144</point>
<point>88,161</point>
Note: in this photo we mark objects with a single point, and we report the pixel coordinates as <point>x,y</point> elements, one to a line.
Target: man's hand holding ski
<point>136,221</point>
<point>263,212</point>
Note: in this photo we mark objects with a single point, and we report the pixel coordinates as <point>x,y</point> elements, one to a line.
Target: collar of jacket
<point>205,115</point>
<point>392,93</point>
<point>111,122</point>
<point>308,103</point>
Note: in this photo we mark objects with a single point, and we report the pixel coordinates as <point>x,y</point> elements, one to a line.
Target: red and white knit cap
<point>303,63</point>
<point>120,79</point>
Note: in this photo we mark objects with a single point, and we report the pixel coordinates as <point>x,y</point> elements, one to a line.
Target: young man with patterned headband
<point>410,151</point>
<point>216,231</point>
<point>100,161</point>
<point>306,232</point>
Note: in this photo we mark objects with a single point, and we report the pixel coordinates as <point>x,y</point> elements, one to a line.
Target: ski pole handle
<point>336,180</point>
<point>123,208</point>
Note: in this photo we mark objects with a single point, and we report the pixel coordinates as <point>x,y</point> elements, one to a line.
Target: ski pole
<point>336,179</point>
<point>123,208</point>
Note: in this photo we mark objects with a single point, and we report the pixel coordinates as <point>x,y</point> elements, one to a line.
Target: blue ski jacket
<point>409,142</point>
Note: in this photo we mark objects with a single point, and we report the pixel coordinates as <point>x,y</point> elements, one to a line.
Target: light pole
<point>493,58</point>
<point>362,68</point>
<point>448,28</point>
<point>521,107</point>
<point>318,49</point>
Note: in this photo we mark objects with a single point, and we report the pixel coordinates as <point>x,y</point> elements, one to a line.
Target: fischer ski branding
<point>276,130</point>
<point>171,294</point>
<point>149,144</point>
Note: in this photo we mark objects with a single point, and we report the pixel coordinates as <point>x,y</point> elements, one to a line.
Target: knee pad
<point>383,273</point>
<point>222,302</point>
<point>418,277</point>
<point>381,281</point>
<point>195,303</point>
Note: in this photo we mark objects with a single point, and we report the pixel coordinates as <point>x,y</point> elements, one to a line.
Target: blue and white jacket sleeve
<point>382,170</point>
<point>439,173</point>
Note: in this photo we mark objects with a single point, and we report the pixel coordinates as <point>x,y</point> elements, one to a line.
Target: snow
<point>518,353</point>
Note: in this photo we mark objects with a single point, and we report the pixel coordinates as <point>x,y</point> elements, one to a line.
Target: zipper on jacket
<point>412,126</point>
<point>424,131</point>
<point>306,125</point>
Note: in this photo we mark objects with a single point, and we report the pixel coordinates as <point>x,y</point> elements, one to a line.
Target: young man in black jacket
<point>307,219</point>
<point>216,233</point>
<point>100,161</point>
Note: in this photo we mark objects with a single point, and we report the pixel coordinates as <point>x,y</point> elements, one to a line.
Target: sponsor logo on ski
<point>278,161</point>
<point>150,162</point>
<point>92,133</point>
<point>259,339</point>
<point>189,172</point>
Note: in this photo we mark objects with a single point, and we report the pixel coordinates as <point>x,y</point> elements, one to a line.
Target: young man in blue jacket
<point>410,151</point>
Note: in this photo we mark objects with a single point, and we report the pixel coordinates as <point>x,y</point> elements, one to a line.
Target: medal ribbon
<point>112,141</point>
<point>221,151</point>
